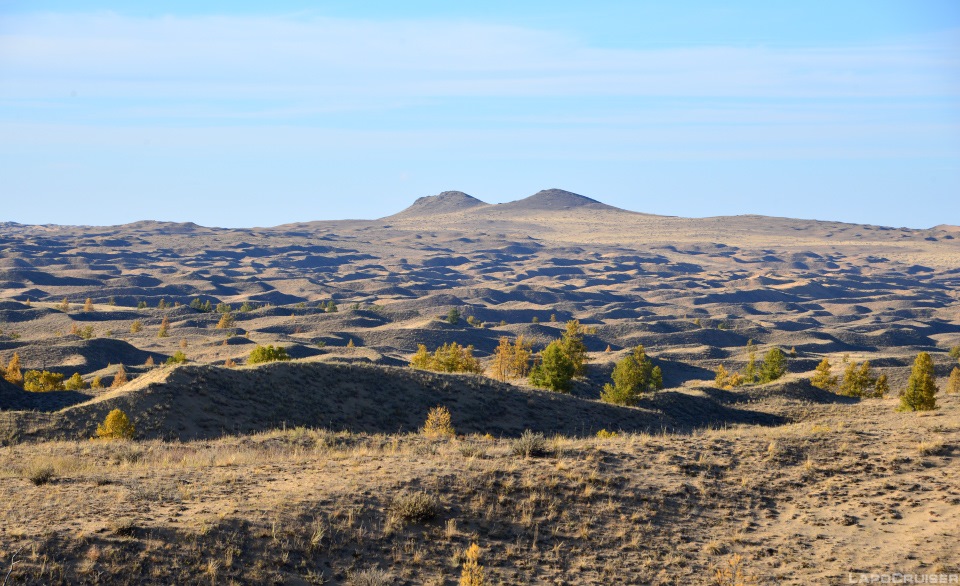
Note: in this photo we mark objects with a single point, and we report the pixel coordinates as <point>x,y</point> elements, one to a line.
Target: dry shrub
<point>371,577</point>
<point>413,507</point>
<point>932,447</point>
<point>529,445</point>
<point>40,474</point>
<point>122,526</point>
<point>733,573</point>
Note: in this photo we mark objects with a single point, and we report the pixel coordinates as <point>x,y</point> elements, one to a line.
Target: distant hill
<point>446,202</point>
<point>554,200</point>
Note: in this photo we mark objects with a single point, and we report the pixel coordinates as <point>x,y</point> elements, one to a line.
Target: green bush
<point>268,353</point>
<point>555,370</point>
<point>921,391</point>
<point>37,381</point>
<point>453,316</point>
<point>632,376</point>
<point>75,383</point>
<point>773,366</point>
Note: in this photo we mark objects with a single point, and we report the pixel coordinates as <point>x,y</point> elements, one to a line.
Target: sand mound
<point>191,402</point>
<point>83,356</point>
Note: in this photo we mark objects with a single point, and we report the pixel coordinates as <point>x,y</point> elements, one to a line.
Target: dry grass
<point>341,507</point>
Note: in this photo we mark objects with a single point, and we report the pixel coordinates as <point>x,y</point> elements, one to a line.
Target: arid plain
<point>304,471</point>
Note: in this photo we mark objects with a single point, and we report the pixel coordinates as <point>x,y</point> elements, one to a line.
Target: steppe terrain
<point>297,472</point>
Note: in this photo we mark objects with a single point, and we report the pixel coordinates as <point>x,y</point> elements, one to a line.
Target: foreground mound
<point>191,402</point>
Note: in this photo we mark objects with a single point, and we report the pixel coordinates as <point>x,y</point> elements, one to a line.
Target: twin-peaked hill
<point>455,202</point>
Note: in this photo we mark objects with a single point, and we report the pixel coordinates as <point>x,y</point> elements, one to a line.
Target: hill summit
<point>554,200</point>
<point>443,203</point>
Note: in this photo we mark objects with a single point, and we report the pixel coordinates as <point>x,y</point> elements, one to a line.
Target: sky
<point>241,114</point>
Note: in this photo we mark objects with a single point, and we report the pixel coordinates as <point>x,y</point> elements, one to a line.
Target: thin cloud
<point>113,56</point>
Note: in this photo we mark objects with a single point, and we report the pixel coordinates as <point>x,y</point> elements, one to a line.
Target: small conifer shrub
<point>116,426</point>
<point>13,374</point>
<point>450,357</point>
<point>438,423</point>
<point>75,383</point>
<point>120,378</point>
<point>921,391</point>
<point>472,572</point>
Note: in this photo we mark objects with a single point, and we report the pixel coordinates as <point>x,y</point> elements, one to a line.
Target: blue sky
<point>253,114</point>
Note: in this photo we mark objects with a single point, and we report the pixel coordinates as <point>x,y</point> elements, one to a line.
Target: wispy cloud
<point>113,56</point>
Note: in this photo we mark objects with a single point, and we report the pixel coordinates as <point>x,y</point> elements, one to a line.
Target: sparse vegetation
<point>858,380</point>
<point>164,327</point>
<point>450,357</point>
<point>120,378</point>
<point>13,373</point>
<point>572,343</point>
<point>40,474</point>
<point>178,357</point>
<point>268,353</point>
<point>953,383</point>
<point>472,572</point>
<point>371,577</point>
<point>921,391</point>
<point>438,423</point>
<point>725,379</point>
<point>511,361</point>
<point>453,316</point>
<point>42,381</point>
<point>529,445</point>
<point>88,305</point>
<point>116,425</point>
<point>413,507</point>
<point>632,376</point>
<point>226,322</point>
<point>288,472</point>
<point>822,377</point>
<point>555,370</point>
<point>75,383</point>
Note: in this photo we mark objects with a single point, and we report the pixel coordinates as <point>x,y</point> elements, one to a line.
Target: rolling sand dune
<point>290,472</point>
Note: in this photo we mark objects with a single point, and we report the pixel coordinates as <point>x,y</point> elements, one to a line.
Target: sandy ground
<point>295,472</point>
